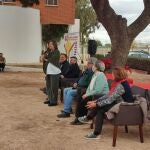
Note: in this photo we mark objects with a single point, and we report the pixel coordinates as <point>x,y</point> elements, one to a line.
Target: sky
<point>130,9</point>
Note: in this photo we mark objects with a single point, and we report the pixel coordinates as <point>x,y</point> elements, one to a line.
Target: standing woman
<point>52,73</point>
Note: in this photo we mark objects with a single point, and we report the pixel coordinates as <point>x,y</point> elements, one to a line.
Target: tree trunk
<point>120,46</point>
<point>120,34</point>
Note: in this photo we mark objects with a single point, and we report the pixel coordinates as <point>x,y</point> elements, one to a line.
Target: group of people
<point>57,68</point>
<point>90,89</point>
<point>2,62</point>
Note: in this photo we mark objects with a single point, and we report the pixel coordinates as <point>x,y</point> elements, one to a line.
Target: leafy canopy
<point>88,19</point>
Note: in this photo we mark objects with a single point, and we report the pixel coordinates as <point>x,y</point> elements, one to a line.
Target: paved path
<point>22,69</point>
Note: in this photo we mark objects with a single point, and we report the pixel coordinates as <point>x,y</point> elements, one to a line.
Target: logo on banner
<point>71,44</point>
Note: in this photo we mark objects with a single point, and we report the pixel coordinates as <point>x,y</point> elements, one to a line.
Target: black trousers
<point>2,66</point>
<point>81,109</point>
<point>52,85</point>
<point>100,116</point>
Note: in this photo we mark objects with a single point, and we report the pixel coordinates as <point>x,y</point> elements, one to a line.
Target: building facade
<point>51,11</point>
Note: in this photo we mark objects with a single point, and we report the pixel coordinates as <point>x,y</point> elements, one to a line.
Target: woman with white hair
<point>97,86</point>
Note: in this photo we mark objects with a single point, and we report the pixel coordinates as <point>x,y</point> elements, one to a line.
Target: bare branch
<point>107,16</point>
<point>141,22</point>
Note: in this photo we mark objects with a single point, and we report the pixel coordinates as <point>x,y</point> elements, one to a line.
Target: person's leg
<point>54,89</point>
<point>100,117</point>
<point>68,99</point>
<point>66,91</point>
<point>48,82</point>
<point>3,66</point>
<point>81,109</point>
<point>0,66</point>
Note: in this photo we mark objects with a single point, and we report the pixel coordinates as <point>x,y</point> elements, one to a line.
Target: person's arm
<point>98,86</point>
<point>118,92</point>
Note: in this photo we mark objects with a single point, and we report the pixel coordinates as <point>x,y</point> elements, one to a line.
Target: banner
<point>72,44</point>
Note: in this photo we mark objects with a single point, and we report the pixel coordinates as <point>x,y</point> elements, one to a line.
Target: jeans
<point>69,94</point>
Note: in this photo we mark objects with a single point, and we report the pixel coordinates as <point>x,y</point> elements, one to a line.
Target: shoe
<point>83,120</point>
<point>92,136</point>
<point>52,104</point>
<point>71,112</point>
<point>63,115</point>
<point>76,122</point>
<point>46,102</point>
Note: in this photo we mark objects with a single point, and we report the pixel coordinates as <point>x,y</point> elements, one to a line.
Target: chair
<point>142,92</point>
<point>124,119</point>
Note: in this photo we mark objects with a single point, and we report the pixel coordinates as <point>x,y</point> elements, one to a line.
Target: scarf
<point>114,85</point>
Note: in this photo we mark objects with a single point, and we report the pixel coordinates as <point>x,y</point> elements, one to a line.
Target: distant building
<point>20,28</point>
<point>51,11</point>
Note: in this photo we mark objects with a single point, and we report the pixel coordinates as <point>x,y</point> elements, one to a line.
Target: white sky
<point>129,9</point>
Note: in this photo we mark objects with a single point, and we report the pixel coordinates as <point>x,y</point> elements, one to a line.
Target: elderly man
<point>74,91</point>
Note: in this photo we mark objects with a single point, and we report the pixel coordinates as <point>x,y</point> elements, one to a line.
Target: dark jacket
<point>73,71</point>
<point>64,67</point>
<point>85,79</point>
<point>53,57</point>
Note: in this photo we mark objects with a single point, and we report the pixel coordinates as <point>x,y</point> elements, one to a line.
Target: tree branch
<point>107,16</point>
<point>141,22</point>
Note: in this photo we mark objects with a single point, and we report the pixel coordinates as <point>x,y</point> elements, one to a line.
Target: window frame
<point>51,5</point>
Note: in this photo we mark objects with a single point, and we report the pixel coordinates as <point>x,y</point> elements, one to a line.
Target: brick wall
<point>64,13</point>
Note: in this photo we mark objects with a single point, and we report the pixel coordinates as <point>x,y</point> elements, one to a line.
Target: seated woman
<point>97,86</point>
<point>120,91</point>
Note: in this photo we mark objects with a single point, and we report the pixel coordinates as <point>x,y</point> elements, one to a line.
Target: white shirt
<point>51,69</point>
<point>93,81</point>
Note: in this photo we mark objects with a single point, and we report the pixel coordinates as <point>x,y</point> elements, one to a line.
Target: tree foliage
<point>29,3</point>
<point>53,32</point>
<point>120,33</point>
<point>88,19</point>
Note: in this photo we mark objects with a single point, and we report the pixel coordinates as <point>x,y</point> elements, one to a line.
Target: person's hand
<point>84,96</point>
<point>62,76</point>
<point>75,85</point>
<point>91,105</point>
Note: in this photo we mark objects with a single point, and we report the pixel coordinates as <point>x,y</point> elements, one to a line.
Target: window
<point>52,2</point>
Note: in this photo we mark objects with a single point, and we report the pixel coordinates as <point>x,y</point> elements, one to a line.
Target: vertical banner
<point>72,44</point>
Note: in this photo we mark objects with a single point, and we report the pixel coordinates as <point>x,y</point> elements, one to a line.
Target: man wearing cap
<point>76,90</point>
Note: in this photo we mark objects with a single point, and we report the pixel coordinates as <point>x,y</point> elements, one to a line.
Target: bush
<point>99,56</point>
<point>139,63</point>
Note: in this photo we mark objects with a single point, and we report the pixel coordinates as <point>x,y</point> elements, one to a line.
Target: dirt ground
<point>27,124</point>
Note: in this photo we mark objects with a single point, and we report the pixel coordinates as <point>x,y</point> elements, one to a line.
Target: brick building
<point>51,11</point>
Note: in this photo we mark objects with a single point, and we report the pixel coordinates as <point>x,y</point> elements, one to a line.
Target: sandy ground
<point>27,124</point>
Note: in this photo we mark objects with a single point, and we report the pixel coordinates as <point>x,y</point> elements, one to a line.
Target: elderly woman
<point>97,86</point>
<point>120,91</point>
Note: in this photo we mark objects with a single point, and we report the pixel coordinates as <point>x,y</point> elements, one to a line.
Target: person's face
<point>94,69</point>
<point>62,58</point>
<point>89,65</point>
<point>51,46</point>
<point>73,61</point>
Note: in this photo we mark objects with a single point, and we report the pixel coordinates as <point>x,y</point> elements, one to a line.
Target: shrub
<point>99,56</point>
<point>139,63</point>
